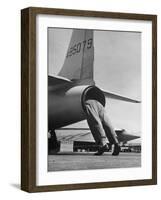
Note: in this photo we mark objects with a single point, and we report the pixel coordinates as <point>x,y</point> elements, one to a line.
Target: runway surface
<point>83,161</point>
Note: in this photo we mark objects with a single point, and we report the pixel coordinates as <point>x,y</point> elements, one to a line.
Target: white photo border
<point>43,177</point>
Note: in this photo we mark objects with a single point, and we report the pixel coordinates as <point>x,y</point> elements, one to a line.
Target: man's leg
<point>109,130</point>
<point>97,132</point>
<point>96,128</point>
<point>110,133</point>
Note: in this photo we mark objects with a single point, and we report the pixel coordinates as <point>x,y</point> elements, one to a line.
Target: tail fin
<point>78,64</point>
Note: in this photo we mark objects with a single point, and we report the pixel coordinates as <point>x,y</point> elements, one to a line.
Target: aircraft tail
<point>78,64</point>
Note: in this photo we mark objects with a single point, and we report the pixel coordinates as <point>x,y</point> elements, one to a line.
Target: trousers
<point>99,123</point>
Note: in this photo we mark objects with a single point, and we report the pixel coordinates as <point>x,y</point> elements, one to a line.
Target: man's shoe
<point>101,150</point>
<point>116,150</point>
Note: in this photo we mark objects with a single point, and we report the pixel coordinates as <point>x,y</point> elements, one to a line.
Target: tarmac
<point>87,160</point>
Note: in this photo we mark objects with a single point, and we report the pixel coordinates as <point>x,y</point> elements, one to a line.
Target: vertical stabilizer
<point>78,64</point>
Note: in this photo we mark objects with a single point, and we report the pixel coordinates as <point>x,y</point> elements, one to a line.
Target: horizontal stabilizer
<point>119,97</point>
<point>57,80</point>
<point>124,136</point>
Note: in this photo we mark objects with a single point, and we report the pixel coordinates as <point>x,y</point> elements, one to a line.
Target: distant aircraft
<point>74,84</point>
<point>85,134</point>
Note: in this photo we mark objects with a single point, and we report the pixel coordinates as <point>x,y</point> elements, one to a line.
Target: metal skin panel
<point>65,107</point>
<point>78,63</point>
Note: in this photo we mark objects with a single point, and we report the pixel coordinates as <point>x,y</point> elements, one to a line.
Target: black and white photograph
<point>88,99</point>
<point>94,99</point>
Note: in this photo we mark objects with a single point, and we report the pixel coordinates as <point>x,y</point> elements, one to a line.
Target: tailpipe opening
<point>93,92</point>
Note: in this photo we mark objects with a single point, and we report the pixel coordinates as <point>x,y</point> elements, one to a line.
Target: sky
<point>117,68</point>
